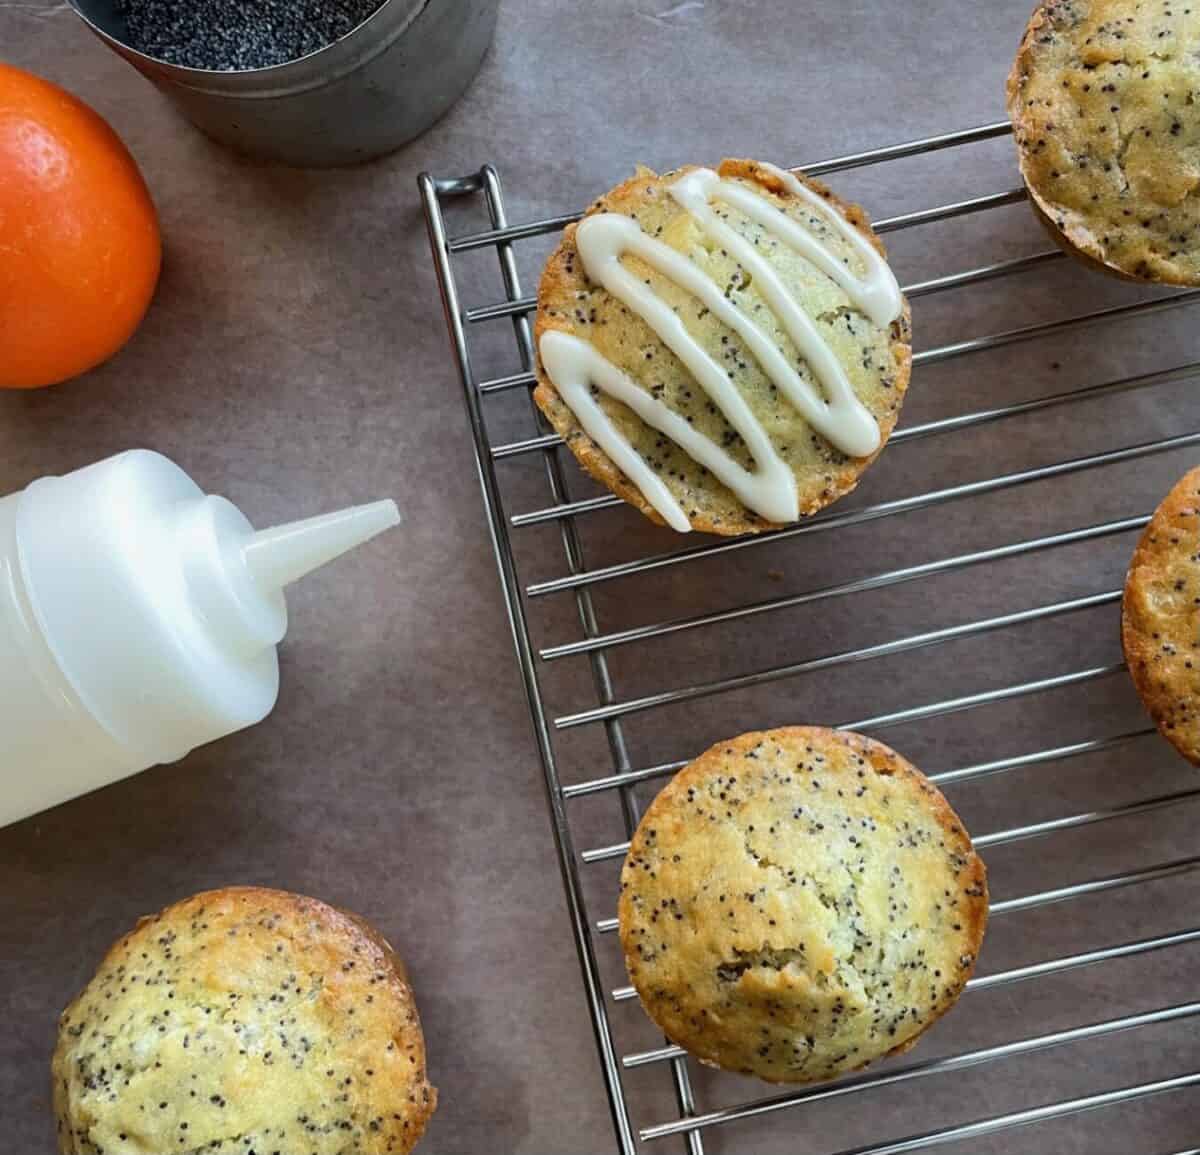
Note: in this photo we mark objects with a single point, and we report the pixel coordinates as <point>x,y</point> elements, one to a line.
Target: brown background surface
<point>296,360</point>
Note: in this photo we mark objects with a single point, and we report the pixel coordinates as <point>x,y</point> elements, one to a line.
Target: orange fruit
<point>79,242</point>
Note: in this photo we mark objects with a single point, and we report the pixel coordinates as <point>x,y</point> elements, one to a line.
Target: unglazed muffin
<point>1159,617</point>
<point>243,1021</point>
<point>746,309</point>
<point>799,902</point>
<point>1102,97</point>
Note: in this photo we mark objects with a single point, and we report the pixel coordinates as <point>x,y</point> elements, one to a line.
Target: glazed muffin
<point>243,1020</point>
<point>799,902</point>
<point>1159,617</point>
<point>725,350</point>
<point>1102,100</point>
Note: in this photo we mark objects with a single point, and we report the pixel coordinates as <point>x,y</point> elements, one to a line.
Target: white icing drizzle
<point>574,365</point>
<point>877,294</point>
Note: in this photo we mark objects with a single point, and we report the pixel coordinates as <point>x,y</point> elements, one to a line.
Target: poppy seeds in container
<point>236,35</point>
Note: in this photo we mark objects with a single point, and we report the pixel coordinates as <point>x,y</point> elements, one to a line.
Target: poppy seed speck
<point>234,35</point>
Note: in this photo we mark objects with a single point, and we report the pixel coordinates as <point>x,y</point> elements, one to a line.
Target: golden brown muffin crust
<point>798,902</point>
<point>243,1020</point>
<point>877,360</point>
<point>1160,618</point>
<point>1102,97</point>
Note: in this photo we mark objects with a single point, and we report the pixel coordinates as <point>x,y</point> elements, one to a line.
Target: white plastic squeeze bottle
<point>138,620</point>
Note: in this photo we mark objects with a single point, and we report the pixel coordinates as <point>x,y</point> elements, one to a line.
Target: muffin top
<point>799,902</point>
<point>1102,99</point>
<point>725,349</point>
<point>243,1020</point>
<point>1159,616</point>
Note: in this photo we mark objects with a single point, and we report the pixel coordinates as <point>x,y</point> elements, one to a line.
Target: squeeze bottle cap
<point>236,575</point>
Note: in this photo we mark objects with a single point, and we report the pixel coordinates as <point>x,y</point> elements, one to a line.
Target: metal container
<point>378,86</point>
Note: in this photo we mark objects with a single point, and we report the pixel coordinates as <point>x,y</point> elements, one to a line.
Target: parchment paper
<point>295,360</point>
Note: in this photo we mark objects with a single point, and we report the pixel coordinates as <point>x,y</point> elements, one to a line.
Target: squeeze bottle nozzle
<point>277,557</point>
<point>139,619</point>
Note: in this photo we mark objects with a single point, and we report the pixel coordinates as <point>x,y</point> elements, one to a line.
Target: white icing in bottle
<point>575,366</point>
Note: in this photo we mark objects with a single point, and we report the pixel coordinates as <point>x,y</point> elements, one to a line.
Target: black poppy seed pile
<point>235,35</point>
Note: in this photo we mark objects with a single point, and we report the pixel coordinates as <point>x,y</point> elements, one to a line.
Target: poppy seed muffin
<point>1159,617</point>
<point>725,349</point>
<point>799,902</point>
<point>1102,100</point>
<point>243,1020</point>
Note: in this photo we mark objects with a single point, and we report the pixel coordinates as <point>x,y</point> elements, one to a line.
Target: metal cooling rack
<point>693,1121</point>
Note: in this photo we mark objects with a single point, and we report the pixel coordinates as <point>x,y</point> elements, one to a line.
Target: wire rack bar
<point>1047,401</point>
<point>1097,886</point>
<point>983,273</point>
<point>829,661</point>
<point>909,148</point>
<point>523,380</point>
<point>1054,754</point>
<point>529,445</point>
<point>501,309</point>
<point>948,211</point>
<point>841,589</point>
<point>510,233</point>
<point>502,384</point>
<point>977,770</point>
<point>984,698</point>
<point>991,1126</point>
<point>931,710</point>
<point>1044,328</point>
<point>1086,818</point>
<point>857,1083</point>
